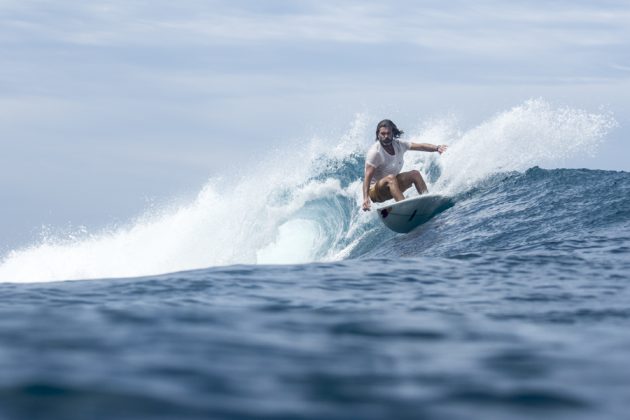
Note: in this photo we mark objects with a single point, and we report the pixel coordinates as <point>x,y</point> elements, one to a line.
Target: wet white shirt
<point>385,163</point>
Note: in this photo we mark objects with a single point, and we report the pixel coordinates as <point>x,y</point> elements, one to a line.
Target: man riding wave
<point>383,162</point>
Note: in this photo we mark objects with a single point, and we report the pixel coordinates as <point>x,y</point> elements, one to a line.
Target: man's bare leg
<point>406,179</point>
<point>421,187</point>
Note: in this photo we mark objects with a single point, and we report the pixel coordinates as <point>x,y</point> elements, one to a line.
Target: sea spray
<point>532,134</point>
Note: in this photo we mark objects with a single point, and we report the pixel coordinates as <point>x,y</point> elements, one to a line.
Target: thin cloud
<point>485,28</point>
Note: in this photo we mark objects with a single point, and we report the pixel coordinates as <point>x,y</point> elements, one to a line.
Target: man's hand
<point>366,204</point>
<point>441,148</point>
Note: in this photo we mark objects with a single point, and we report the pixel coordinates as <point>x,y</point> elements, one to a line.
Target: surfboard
<point>406,215</point>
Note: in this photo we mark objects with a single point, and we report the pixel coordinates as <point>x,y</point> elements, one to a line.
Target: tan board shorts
<point>381,193</point>
<point>378,195</point>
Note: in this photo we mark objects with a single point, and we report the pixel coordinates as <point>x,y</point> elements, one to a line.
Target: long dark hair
<point>389,124</point>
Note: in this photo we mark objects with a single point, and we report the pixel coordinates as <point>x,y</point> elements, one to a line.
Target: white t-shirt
<point>385,163</point>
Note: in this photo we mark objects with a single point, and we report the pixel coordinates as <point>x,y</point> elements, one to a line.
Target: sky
<point>109,107</point>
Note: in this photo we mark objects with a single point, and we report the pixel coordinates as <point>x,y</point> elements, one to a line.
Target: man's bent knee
<point>390,179</point>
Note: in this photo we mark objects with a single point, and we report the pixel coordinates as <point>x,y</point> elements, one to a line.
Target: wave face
<point>302,204</point>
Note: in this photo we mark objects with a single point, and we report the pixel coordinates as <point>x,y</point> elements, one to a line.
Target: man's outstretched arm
<point>428,147</point>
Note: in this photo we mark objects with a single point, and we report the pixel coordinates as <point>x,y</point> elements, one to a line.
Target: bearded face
<point>385,136</point>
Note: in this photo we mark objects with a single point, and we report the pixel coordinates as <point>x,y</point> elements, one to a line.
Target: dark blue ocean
<point>514,303</point>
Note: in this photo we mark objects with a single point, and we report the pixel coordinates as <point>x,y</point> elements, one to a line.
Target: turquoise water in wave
<point>291,303</point>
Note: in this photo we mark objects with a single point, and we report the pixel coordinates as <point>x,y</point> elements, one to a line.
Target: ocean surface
<point>282,300</point>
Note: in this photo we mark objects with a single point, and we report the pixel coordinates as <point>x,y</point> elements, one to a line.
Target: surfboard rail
<point>406,215</point>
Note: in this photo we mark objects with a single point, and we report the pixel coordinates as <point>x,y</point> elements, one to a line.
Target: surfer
<point>383,162</point>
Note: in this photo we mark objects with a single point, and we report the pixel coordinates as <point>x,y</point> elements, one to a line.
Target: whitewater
<point>303,204</point>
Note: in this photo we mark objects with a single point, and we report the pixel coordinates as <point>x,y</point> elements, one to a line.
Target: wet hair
<point>389,124</point>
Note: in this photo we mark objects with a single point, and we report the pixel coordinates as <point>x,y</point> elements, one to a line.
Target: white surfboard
<point>405,215</point>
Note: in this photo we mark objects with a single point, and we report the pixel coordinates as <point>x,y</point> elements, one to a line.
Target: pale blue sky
<point>105,106</point>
